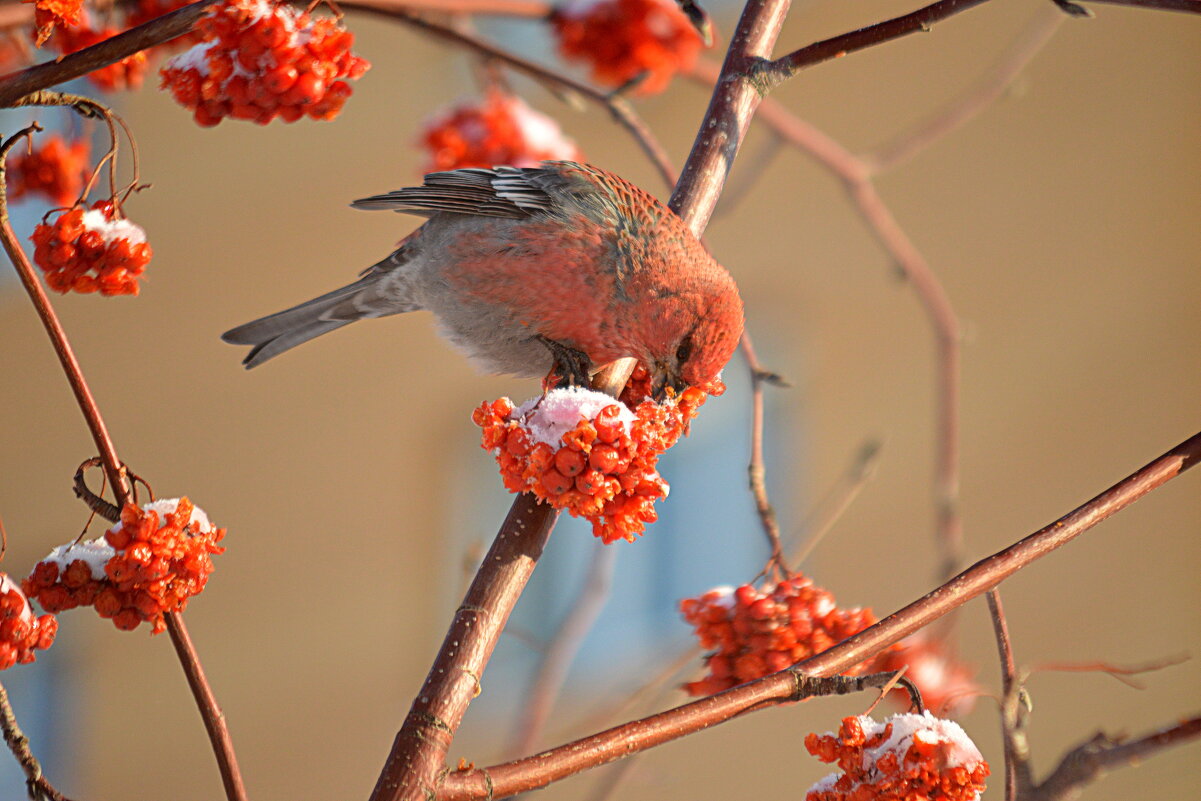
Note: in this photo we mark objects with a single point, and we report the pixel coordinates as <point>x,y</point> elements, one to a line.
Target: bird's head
<point>699,351</point>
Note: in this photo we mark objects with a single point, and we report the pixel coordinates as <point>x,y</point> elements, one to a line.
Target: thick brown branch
<point>500,781</point>
<point>736,96</point>
<point>110,51</point>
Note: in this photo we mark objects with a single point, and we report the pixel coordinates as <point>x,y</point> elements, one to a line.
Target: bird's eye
<point>684,351</point>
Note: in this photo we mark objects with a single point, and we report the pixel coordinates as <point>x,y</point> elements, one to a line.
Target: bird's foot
<point>572,368</point>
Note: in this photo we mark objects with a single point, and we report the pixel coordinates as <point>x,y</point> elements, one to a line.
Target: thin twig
<point>1089,761</point>
<point>985,91</point>
<point>58,338</point>
<point>499,781</point>
<point>36,783</point>
<point>933,297</point>
<point>1017,764</point>
<point>210,710</point>
<point>756,468</point>
<point>1120,672</point>
<point>560,653</point>
<point>115,470</point>
<point>830,509</point>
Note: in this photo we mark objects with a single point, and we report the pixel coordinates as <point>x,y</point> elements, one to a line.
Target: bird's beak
<point>661,379</point>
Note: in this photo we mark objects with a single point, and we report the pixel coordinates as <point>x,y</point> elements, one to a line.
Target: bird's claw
<point>571,367</point>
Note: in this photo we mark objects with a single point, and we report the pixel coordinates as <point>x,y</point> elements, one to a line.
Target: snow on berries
<point>498,129</point>
<point>21,632</point>
<point>587,453</point>
<point>259,60</point>
<point>53,167</point>
<point>904,758</point>
<point>147,565</point>
<point>947,684</point>
<point>623,39</point>
<point>760,631</point>
<point>93,250</point>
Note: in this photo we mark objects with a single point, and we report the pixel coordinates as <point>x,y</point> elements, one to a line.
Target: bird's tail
<point>272,335</point>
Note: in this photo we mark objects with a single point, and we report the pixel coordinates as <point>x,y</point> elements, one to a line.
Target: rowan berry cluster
<point>906,758</point>
<point>585,452</point>
<point>261,59</point>
<point>21,632</point>
<point>947,684</point>
<point>92,251</point>
<point>498,129</point>
<point>624,39</point>
<point>144,567</point>
<point>760,631</point>
<point>53,166</point>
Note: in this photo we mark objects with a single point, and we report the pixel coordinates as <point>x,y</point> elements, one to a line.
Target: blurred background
<point>1061,220</point>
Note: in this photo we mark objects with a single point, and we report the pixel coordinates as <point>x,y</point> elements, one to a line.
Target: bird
<point>562,265</point>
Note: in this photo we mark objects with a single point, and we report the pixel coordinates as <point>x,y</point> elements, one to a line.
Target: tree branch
<point>500,781</point>
<point>214,720</point>
<point>37,784</point>
<point>1089,761</point>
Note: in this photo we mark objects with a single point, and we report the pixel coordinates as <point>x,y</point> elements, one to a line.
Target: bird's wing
<point>513,192</point>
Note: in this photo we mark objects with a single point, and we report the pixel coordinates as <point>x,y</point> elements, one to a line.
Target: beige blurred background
<point>1063,222</point>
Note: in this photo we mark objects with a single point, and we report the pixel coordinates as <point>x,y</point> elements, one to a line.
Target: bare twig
<point>985,91</point>
<point>830,509</point>
<point>38,785</point>
<point>857,181</point>
<point>1120,672</point>
<point>1089,761</point>
<point>1017,765</point>
<point>500,781</point>
<point>757,469</point>
<point>559,655</point>
<point>115,470</point>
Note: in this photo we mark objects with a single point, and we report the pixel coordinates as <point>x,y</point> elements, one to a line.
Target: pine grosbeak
<point>562,265</point>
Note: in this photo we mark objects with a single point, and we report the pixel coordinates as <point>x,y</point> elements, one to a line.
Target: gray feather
<point>276,333</point>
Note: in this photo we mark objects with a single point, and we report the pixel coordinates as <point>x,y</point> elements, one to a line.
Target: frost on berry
<point>904,758</point>
<point>587,453</point>
<point>623,39</point>
<point>51,14</point>
<point>92,251</point>
<point>498,129</point>
<point>258,60</point>
<point>147,565</point>
<point>21,632</point>
<point>53,167</point>
<point>755,632</point>
<point>946,683</point>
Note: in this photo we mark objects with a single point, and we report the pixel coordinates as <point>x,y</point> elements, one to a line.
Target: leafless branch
<point>38,785</point>
<point>500,781</point>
